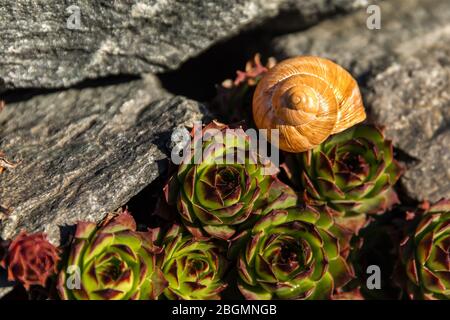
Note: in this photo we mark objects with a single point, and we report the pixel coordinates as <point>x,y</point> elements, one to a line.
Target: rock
<point>5,290</point>
<point>5,285</point>
<point>295,15</point>
<point>42,44</point>
<point>349,42</point>
<point>411,99</point>
<point>84,152</point>
<point>55,44</point>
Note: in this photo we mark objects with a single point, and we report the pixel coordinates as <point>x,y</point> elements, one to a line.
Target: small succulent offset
<point>353,172</point>
<point>193,268</point>
<point>216,196</point>
<point>233,100</point>
<point>425,255</point>
<point>30,259</point>
<point>113,262</point>
<point>296,253</point>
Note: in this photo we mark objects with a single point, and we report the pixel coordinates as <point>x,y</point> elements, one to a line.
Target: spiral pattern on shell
<point>307,99</point>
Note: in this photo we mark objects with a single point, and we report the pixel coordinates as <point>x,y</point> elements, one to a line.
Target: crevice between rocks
<point>198,77</point>
<point>18,95</point>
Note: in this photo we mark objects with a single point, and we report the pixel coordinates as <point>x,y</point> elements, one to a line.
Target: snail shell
<point>307,99</point>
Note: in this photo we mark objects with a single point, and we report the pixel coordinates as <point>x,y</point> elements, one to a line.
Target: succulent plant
<point>295,253</point>
<point>193,268</point>
<point>353,172</point>
<point>425,254</point>
<point>218,196</point>
<point>234,97</point>
<point>112,262</point>
<point>30,259</point>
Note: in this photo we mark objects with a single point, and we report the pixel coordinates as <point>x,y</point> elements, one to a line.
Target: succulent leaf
<point>425,254</point>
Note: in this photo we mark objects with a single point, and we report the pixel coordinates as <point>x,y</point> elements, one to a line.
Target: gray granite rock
<point>411,98</point>
<point>84,152</point>
<point>59,43</point>
<point>348,41</point>
<point>5,290</point>
<point>295,14</point>
<point>5,285</point>
<point>42,45</point>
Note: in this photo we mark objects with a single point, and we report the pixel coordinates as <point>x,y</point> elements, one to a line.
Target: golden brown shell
<point>307,99</point>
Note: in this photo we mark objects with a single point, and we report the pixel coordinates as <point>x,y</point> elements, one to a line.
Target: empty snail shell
<point>307,99</point>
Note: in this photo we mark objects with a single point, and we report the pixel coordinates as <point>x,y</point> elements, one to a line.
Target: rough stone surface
<point>84,152</point>
<point>349,42</point>
<point>41,46</point>
<point>295,15</point>
<point>5,285</point>
<point>125,36</point>
<point>5,290</point>
<point>412,99</point>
